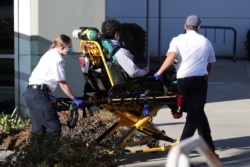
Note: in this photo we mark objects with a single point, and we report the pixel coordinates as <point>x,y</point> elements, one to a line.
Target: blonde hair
<point>61,40</point>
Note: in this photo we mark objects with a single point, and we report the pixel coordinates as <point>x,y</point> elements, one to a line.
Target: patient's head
<point>111,29</point>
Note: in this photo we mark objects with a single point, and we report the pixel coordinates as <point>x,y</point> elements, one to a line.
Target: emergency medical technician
<point>194,54</point>
<point>44,79</point>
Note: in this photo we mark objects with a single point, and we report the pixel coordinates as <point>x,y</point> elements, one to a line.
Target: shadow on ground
<point>240,145</point>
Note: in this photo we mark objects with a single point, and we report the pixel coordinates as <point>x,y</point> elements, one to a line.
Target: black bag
<point>118,74</point>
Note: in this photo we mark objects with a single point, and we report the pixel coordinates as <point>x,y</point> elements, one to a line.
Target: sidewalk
<point>228,111</point>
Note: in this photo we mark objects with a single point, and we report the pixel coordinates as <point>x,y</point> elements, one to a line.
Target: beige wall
<point>63,16</point>
<point>37,23</point>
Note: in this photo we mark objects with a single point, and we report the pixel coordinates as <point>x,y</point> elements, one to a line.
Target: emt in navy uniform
<point>44,79</point>
<point>194,54</point>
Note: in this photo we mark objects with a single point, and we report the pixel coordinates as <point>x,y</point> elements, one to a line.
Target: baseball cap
<point>193,20</point>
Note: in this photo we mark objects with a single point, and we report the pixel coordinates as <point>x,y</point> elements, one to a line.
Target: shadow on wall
<point>36,50</point>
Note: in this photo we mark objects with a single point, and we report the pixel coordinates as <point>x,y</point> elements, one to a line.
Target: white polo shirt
<point>194,52</point>
<point>49,70</point>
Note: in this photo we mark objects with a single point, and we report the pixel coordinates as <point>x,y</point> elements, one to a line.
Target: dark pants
<point>42,112</point>
<point>194,93</point>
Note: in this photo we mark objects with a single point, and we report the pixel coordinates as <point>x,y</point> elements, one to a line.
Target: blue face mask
<point>70,51</point>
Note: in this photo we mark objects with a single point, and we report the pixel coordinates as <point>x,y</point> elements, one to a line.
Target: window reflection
<point>6,56</point>
<point>6,27</point>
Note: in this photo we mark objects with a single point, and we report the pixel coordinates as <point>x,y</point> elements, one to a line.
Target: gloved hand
<point>53,100</point>
<point>78,102</point>
<point>158,77</point>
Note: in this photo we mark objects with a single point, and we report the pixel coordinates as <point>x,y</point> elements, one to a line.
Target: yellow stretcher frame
<point>121,107</point>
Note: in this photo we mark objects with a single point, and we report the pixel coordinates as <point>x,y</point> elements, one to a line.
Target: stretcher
<point>135,102</point>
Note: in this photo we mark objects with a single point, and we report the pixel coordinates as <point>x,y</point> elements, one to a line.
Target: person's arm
<point>66,89</point>
<point>169,60</point>
<point>211,58</point>
<point>125,60</point>
<point>209,67</point>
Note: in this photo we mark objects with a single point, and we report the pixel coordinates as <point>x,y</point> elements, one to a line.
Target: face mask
<point>70,51</point>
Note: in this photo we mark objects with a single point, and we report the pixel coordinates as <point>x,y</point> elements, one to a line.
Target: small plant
<point>11,123</point>
<point>247,44</point>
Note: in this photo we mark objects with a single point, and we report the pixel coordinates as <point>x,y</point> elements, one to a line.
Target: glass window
<point>6,27</point>
<point>7,91</point>
<point>7,72</point>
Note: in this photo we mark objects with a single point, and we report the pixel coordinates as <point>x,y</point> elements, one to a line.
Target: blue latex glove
<point>78,102</point>
<point>52,98</point>
<point>158,77</point>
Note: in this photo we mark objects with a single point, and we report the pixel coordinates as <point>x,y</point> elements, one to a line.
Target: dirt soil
<point>88,128</point>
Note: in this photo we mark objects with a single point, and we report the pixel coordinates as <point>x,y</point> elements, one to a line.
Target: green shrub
<point>11,123</point>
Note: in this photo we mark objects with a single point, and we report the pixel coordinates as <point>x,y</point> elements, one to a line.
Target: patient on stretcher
<point>119,56</point>
<point>121,68</point>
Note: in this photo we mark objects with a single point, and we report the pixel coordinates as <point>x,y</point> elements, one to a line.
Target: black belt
<point>41,87</point>
<point>194,77</point>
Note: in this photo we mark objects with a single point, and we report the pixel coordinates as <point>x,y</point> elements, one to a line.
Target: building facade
<point>164,19</point>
